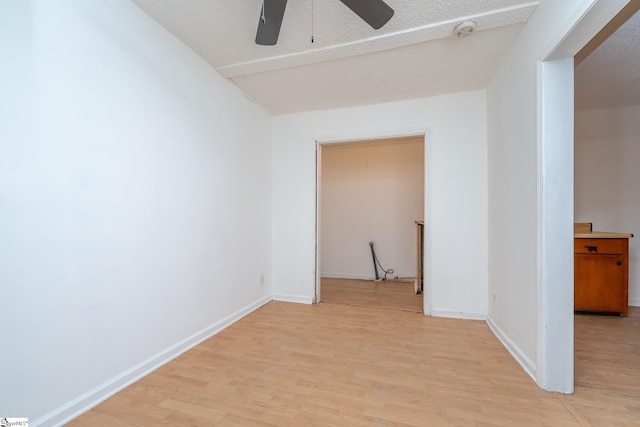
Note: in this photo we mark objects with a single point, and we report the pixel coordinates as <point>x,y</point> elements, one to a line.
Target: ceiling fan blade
<point>374,12</point>
<point>270,21</point>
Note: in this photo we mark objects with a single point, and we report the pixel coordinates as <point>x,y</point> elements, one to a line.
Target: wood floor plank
<point>393,295</point>
<point>607,373</point>
<point>317,365</point>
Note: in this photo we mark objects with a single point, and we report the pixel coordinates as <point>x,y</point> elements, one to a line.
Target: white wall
<point>523,291</point>
<point>134,202</point>
<point>371,192</point>
<point>455,199</point>
<point>607,190</point>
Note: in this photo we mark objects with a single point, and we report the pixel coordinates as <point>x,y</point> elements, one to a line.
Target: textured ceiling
<point>610,76</point>
<point>414,55</point>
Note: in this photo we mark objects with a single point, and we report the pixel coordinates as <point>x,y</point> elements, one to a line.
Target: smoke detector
<point>464,29</point>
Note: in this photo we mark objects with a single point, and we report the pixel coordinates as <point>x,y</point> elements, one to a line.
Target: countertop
<point>602,235</point>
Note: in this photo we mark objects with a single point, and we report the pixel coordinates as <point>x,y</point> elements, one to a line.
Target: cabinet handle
<point>619,263</point>
<point>592,248</point>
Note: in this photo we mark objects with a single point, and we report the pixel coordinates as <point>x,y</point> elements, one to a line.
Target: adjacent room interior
<point>606,198</point>
<point>371,201</point>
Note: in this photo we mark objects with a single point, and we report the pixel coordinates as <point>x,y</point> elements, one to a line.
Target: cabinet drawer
<point>600,246</point>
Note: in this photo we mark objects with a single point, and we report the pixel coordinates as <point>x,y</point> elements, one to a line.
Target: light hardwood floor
<point>367,293</point>
<point>607,369</point>
<point>338,365</point>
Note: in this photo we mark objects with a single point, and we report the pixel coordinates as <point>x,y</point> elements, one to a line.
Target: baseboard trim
<point>363,276</point>
<point>346,276</point>
<point>452,314</point>
<point>300,299</point>
<point>99,394</point>
<point>527,365</point>
<point>635,302</point>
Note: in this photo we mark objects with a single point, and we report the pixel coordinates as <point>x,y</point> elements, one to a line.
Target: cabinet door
<point>600,283</point>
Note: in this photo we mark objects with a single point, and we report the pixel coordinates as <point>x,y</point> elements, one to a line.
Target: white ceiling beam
<point>439,30</point>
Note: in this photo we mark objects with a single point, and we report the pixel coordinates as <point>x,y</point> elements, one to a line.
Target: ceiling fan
<point>376,13</point>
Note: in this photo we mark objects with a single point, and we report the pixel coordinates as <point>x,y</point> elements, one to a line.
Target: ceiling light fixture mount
<point>464,29</point>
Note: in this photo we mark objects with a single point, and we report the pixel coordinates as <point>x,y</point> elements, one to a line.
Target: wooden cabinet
<point>601,275</point>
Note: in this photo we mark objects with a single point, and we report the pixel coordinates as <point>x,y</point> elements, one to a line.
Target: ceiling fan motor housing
<point>376,13</point>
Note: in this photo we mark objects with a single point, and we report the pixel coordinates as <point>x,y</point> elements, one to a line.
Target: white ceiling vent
<point>464,29</point>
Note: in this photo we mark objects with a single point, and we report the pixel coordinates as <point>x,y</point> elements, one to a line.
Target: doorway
<point>606,151</point>
<point>555,354</point>
<point>370,195</point>
<point>607,124</point>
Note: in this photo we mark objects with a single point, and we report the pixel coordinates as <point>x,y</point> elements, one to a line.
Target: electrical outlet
<point>262,280</point>
<point>494,299</point>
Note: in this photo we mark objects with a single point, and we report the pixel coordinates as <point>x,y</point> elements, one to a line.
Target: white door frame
<point>555,108</point>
